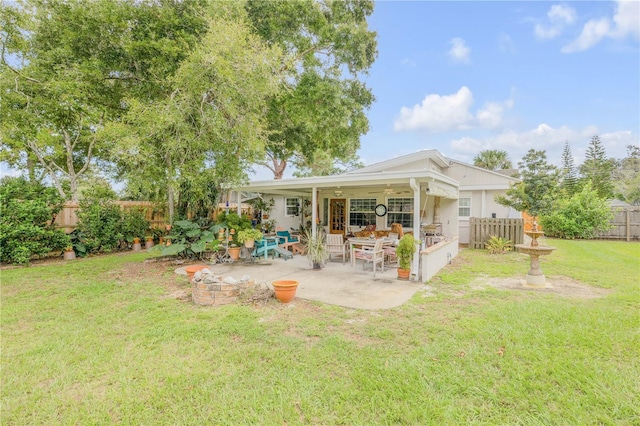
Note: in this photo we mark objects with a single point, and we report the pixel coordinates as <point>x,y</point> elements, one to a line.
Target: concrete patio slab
<point>335,284</point>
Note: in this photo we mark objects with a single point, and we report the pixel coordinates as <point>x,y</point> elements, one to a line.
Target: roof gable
<point>402,161</point>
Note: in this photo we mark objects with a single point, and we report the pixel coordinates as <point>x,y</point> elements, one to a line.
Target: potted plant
<point>148,242</point>
<point>316,249</point>
<point>249,237</point>
<point>69,253</point>
<point>404,252</point>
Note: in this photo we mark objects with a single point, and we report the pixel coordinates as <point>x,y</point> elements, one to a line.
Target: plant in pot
<point>404,252</point>
<point>249,236</point>
<point>316,249</point>
<point>69,254</point>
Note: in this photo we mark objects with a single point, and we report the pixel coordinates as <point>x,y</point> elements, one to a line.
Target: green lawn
<point>98,341</point>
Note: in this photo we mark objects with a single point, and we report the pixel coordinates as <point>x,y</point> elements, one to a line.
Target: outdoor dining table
<point>366,242</point>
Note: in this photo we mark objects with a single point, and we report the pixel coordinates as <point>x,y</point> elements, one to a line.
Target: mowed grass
<point>98,341</point>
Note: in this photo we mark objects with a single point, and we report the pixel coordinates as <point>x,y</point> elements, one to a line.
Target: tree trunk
<point>170,192</point>
<point>71,171</point>
<point>279,165</point>
<point>31,167</point>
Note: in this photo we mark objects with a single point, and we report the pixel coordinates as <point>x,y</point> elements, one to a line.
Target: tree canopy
<point>626,177</point>
<point>537,188</point>
<point>568,171</point>
<point>492,159</point>
<point>597,168</point>
<point>320,106</point>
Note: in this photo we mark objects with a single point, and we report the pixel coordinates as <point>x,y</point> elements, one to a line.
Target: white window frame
<point>460,207</point>
<point>369,212</point>
<point>287,206</point>
<point>407,201</point>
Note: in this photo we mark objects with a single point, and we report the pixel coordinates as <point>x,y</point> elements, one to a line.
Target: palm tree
<point>492,159</point>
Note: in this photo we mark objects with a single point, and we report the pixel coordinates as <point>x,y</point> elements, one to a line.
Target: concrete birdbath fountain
<point>535,277</point>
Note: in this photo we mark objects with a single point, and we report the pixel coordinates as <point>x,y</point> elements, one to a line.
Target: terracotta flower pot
<point>69,254</point>
<point>234,252</point>
<point>192,269</point>
<point>403,274</point>
<point>149,243</point>
<point>249,243</point>
<point>285,290</point>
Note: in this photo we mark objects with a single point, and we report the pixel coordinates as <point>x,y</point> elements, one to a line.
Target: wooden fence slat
<point>481,229</point>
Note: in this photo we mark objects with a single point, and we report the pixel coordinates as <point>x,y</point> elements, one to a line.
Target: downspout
<point>314,210</point>
<point>415,267</point>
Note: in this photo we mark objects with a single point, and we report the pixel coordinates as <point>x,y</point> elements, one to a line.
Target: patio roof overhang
<point>433,183</point>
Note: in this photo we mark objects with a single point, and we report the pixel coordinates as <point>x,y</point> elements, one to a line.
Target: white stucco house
<point>424,191</point>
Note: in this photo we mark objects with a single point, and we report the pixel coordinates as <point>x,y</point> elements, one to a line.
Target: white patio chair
<point>373,255</point>
<point>336,246</point>
<point>390,251</point>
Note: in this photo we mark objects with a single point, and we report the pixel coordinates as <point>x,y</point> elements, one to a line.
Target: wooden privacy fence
<point>481,228</point>
<point>626,224</point>
<point>155,213</point>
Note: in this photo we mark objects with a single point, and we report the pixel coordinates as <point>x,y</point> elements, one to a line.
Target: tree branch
<point>33,80</point>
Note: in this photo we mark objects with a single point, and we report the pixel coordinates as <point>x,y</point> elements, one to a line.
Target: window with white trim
<point>464,207</point>
<point>292,206</point>
<point>400,210</point>
<point>362,211</point>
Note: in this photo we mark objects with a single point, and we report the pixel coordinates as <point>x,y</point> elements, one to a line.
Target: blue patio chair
<point>285,238</point>
<point>264,246</point>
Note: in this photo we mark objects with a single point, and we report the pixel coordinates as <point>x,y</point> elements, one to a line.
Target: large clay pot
<point>136,244</point>
<point>234,252</point>
<point>403,274</point>
<point>149,243</point>
<point>285,290</point>
<point>192,269</point>
<point>69,254</point>
<point>249,243</point>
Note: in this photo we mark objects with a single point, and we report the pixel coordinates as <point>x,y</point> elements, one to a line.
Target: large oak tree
<point>321,105</point>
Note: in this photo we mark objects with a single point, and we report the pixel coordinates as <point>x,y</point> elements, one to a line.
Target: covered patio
<point>417,198</point>
<point>335,284</point>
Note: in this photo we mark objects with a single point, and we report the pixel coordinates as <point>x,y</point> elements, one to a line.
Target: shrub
<point>498,245</point>
<point>188,240</point>
<point>405,250</point>
<point>28,210</point>
<point>581,216</point>
<point>134,225</point>
<point>99,225</point>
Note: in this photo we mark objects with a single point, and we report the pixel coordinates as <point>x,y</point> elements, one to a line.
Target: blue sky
<point>462,77</point>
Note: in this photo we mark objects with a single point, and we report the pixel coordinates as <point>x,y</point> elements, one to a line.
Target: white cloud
<point>546,138</point>
<point>459,51</point>
<point>592,33</point>
<point>438,113</point>
<point>546,32</point>
<point>625,22</point>
<point>559,17</point>
<point>627,19</point>
<point>562,14</point>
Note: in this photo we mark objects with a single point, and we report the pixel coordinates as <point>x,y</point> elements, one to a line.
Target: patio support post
<point>314,210</point>
<point>239,208</point>
<point>415,266</point>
